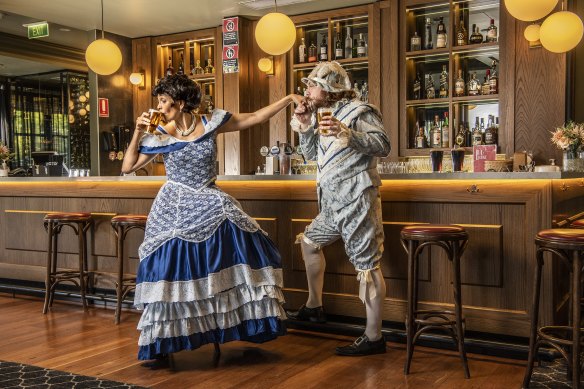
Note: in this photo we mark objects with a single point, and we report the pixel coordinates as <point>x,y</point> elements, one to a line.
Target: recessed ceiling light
<point>64,29</point>
<point>263,4</point>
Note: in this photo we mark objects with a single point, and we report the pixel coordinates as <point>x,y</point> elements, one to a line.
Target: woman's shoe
<point>160,361</point>
<point>314,315</point>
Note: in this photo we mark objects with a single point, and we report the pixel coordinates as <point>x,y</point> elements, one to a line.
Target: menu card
<point>481,154</point>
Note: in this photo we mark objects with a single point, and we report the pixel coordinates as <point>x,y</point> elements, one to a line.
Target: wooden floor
<point>90,344</point>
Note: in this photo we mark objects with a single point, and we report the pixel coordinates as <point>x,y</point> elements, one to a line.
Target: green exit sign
<point>38,30</point>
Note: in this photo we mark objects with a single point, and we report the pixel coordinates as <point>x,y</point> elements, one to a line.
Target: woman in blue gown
<point>208,273</point>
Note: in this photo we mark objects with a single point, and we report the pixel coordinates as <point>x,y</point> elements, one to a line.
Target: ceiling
<point>138,18</point>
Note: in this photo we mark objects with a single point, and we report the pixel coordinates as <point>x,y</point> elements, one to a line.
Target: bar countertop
<point>297,177</point>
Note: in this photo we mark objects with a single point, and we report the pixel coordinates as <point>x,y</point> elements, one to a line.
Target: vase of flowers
<point>570,138</point>
<point>5,156</point>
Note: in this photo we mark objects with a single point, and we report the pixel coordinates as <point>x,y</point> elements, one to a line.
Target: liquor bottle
<point>491,132</point>
<point>476,36</point>
<point>494,80</point>
<point>361,50</point>
<point>486,87</point>
<point>209,68</point>
<point>461,136</point>
<point>169,68</point>
<point>211,105</point>
<point>428,35</point>
<point>430,89</point>
<point>415,42</point>
<point>461,33</point>
<point>339,48</point>
<point>441,37</point>
<point>436,133</point>
<point>482,128</point>
<point>354,47</point>
<point>445,131</point>
<point>312,52</point>
<point>357,90</point>
<point>198,68</point>
<point>474,86</point>
<point>421,140</point>
<point>477,135</point>
<point>181,68</point>
<point>459,84</point>
<point>348,44</point>
<point>299,91</point>
<point>323,53</point>
<point>492,33</point>
<point>365,92</point>
<point>443,83</point>
<point>192,72</point>
<point>302,52</point>
<point>417,88</point>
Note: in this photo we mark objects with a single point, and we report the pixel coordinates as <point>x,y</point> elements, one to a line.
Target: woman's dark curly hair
<point>180,87</point>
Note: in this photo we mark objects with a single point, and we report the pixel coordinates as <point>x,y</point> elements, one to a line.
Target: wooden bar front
<point>502,217</point>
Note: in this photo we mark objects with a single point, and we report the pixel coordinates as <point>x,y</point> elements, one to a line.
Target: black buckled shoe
<point>362,346</point>
<point>314,315</point>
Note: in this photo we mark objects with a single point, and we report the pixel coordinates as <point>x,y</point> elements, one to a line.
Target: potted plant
<point>570,138</point>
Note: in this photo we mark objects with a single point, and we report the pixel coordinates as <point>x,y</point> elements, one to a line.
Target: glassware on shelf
<point>476,36</point>
<point>461,33</point>
<point>443,92</point>
<point>492,32</point>
<point>441,36</point>
<point>415,42</point>
<point>428,45</point>
<point>459,85</point>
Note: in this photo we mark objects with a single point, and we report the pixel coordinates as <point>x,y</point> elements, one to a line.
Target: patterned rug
<point>17,375</point>
<point>551,375</point>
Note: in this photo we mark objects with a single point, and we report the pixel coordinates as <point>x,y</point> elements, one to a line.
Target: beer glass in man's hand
<point>323,113</point>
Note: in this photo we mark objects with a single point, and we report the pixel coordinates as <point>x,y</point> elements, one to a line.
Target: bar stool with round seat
<point>54,223</point>
<point>453,239</point>
<point>567,245</point>
<point>578,224</point>
<point>122,224</point>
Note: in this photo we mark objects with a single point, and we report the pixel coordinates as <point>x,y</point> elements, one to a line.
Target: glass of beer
<point>156,118</point>
<point>321,113</point>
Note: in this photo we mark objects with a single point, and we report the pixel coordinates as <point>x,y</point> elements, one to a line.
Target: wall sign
<point>231,45</point>
<point>103,107</point>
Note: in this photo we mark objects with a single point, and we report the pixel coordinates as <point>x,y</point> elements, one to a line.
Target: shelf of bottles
<point>78,117</point>
<point>451,74</point>
<point>194,58</point>
<point>344,40</point>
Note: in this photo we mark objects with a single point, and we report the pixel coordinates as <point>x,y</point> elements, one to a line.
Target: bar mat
<point>17,375</point>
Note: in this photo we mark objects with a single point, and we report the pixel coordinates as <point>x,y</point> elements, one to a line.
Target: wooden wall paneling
<point>277,87</point>
<point>219,94</point>
<point>142,62</point>
<point>389,73</point>
<point>374,54</point>
<point>507,81</point>
<point>540,97</point>
<point>402,85</point>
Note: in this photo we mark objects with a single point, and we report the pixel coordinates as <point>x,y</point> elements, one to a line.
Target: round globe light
<point>275,33</point>
<point>531,32</point>
<point>530,10</point>
<point>136,78</point>
<point>103,57</point>
<point>265,65</point>
<point>82,112</point>
<point>561,32</point>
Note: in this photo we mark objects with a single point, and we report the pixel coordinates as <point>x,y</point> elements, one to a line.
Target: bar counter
<point>501,211</point>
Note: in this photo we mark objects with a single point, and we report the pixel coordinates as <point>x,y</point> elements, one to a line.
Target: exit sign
<point>38,30</point>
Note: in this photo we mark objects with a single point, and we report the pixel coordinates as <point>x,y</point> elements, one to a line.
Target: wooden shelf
<point>478,99</point>
<point>427,53</point>
<point>478,47</point>
<point>206,76</point>
<point>304,66</point>
<point>429,102</point>
<point>351,61</point>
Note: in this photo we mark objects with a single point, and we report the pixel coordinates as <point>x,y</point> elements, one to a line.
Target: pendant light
<point>530,10</point>
<point>102,55</point>
<point>275,33</point>
<point>561,32</point>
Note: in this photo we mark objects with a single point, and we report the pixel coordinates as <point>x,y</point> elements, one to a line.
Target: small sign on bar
<point>38,30</point>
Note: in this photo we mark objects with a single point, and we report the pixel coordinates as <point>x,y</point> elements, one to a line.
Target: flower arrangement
<point>569,137</point>
<point>5,153</point>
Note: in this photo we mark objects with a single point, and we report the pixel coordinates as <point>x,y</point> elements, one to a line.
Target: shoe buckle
<point>360,340</point>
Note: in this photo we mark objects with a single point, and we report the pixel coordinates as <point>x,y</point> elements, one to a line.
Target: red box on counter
<point>481,154</point>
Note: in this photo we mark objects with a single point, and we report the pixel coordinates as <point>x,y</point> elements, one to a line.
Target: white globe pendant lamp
<point>530,10</point>
<point>275,33</point>
<point>102,55</point>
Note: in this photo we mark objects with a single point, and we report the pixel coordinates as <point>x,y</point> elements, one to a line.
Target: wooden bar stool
<point>567,245</point>
<point>578,224</point>
<point>54,223</point>
<point>453,239</point>
<point>121,225</point>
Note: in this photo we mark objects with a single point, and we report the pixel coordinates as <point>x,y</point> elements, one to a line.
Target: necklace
<point>189,130</point>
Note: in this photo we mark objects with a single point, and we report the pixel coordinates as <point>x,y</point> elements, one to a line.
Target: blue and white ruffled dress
<point>208,273</point>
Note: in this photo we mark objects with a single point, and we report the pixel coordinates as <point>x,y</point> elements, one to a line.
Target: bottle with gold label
<point>486,87</point>
<point>421,140</point>
<point>436,133</point>
<point>443,92</point>
<point>474,86</point>
<point>477,135</point>
<point>459,85</point>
